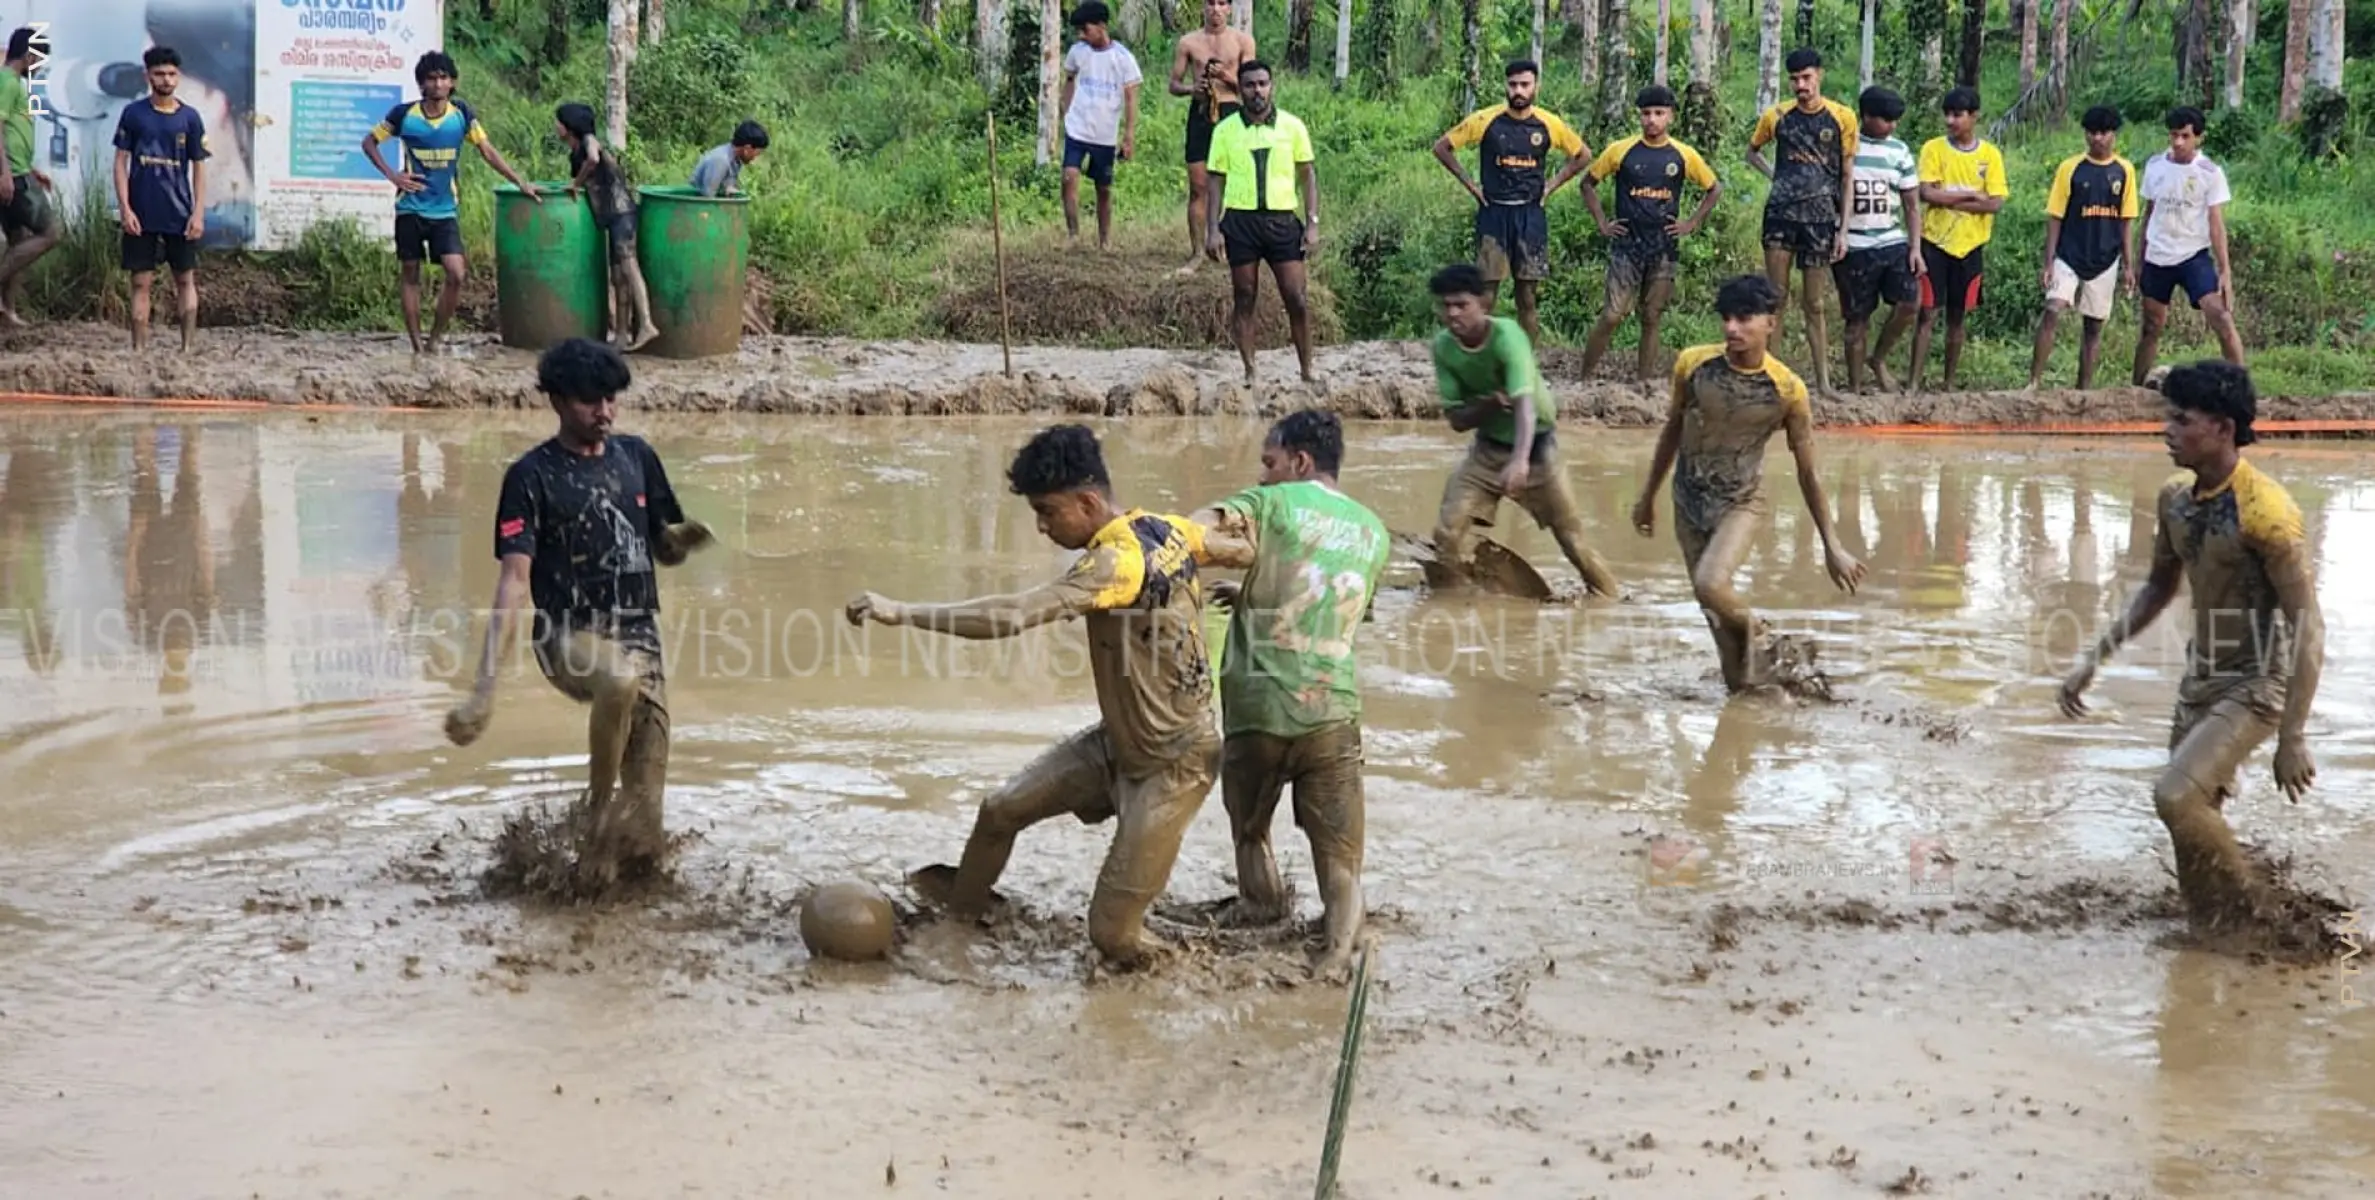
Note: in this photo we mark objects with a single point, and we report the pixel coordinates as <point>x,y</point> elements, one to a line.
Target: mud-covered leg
<point>2212,872</point>
<point>1250,786</point>
<point>1152,817</point>
<point>1470,496</point>
<point>638,834</point>
<point>1551,502</point>
<point>613,688</point>
<point>1331,808</point>
<point>1070,776</point>
<point>1712,563</point>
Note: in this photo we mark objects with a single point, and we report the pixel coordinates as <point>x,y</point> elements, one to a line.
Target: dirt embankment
<point>816,376</point>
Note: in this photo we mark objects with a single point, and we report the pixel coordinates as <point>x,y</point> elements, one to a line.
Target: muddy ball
<point>850,920</point>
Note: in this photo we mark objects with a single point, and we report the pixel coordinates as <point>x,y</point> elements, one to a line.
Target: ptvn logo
<point>37,70</point>
<point>2345,966</point>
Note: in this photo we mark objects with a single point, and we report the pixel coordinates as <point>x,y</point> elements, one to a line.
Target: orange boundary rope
<point>2095,428</point>
<point>203,403</point>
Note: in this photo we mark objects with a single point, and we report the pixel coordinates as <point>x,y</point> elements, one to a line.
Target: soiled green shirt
<point>1289,667</point>
<point>1504,364</point>
<point>16,121</point>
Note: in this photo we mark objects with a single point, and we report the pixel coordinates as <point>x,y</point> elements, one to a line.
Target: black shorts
<point>1199,130</point>
<point>1810,241</point>
<point>419,237</point>
<point>1948,282</point>
<point>1512,240</point>
<point>147,251</point>
<point>1874,276</point>
<point>1631,269</point>
<point>1093,160</point>
<point>621,228</point>
<point>1271,237</point>
<point>28,212</point>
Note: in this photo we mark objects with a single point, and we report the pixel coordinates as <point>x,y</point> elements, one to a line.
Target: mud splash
<point>828,376</point>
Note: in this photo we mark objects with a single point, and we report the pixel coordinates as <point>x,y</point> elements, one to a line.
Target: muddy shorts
<point>1695,530</point>
<point>1325,768</point>
<point>1873,276</point>
<point>1473,494</point>
<point>1809,241</point>
<point>1512,240</point>
<point>1199,130</point>
<point>1081,775</point>
<point>574,661</point>
<point>2246,712</point>
<point>146,252</point>
<point>1949,282</point>
<point>621,228</point>
<point>1631,270</point>
<point>419,237</point>
<point>28,213</point>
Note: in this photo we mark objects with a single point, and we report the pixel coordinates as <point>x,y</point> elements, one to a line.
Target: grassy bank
<point>872,207</point>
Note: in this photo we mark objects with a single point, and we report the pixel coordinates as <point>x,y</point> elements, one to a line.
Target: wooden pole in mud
<point>998,244</point>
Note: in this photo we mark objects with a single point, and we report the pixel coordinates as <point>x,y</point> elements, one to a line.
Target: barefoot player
<point>2090,224</point>
<point>1149,761</point>
<point>1264,201</point>
<point>1729,401</point>
<point>1806,213</point>
<point>1204,69</point>
<point>1513,141</point>
<point>1883,263</point>
<point>1649,170</point>
<point>582,521</point>
<point>1290,684</point>
<point>1486,373</point>
<point>2234,537</point>
<point>160,193</point>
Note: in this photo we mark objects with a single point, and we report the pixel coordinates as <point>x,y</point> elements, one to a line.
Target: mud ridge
<point>829,376</point>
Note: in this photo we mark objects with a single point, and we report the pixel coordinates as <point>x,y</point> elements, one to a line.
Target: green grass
<point>873,201</point>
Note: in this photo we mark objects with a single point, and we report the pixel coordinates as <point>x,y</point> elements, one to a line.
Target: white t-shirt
<point>1884,167</point>
<point>2181,196</point>
<point>1096,113</point>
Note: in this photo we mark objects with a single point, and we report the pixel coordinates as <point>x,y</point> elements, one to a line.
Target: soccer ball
<point>850,920</point>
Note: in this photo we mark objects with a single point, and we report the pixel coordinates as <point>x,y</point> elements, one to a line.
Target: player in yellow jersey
<point>2234,537</point>
<point>1729,401</point>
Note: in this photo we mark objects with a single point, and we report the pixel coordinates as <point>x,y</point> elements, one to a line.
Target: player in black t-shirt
<point>1649,170</point>
<point>1513,141</point>
<point>581,523</point>
<point>2090,225</point>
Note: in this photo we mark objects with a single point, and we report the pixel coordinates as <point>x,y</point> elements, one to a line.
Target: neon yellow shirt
<point>1259,162</point>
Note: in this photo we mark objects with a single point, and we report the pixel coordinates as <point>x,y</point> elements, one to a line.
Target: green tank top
<point>1289,667</point>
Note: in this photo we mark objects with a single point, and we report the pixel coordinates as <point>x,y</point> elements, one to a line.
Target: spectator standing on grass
<point>1204,69</point>
<point>594,170</point>
<point>1261,176</point>
<point>1812,170</point>
<point>1883,263</point>
<point>1100,113</point>
<point>1649,170</point>
<point>433,129</point>
<point>2185,241</point>
<point>160,192</point>
<point>1962,188</point>
<point>1514,140</point>
<point>2090,221</point>
<point>719,173</point>
<point>27,218</point>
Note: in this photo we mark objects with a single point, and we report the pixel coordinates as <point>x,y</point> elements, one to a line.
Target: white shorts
<point>2092,297</point>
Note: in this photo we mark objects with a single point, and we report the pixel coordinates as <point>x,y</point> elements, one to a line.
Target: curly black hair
<point>1747,296</point>
<point>2219,388</point>
<point>582,369</point>
<point>1059,458</point>
<point>1312,431</point>
<point>435,62</point>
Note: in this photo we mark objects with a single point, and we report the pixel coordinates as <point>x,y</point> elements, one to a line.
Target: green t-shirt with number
<point>1288,668</point>
<point>1504,364</point>
<point>16,121</point>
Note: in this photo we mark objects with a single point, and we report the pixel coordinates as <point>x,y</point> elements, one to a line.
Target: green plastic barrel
<point>552,279</point>
<point>695,252</point>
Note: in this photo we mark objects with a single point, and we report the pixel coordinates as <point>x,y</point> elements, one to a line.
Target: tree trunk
<point>1657,66</point>
<point>1805,23</point>
<point>989,43</point>
<point>622,56</point>
<point>1966,69</point>
<point>1864,63</point>
<point>655,21</point>
<point>2239,31</point>
<point>2325,44</point>
<point>1587,33</point>
<point>2296,60</point>
<point>1539,14</point>
<point>1051,63</point>
<point>1240,16</point>
<point>1768,54</point>
<point>2194,76</point>
<point>2061,57</point>
<point>2028,47</point>
<point>853,15</point>
<point>1343,41</point>
<point>1616,64</point>
<point>1298,35</point>
<point>1703,41</point>
<point>1471,53</point>
<point>556,37</point>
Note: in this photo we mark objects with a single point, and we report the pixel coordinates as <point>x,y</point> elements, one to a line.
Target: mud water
<point>1632,940</point>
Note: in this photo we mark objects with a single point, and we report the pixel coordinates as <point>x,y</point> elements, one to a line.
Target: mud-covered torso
<point>587,525</point>
<point>1144,601</point>
<point>1290,669</point>
<point>1729,416</point>
<point>1810,150</point>
<point>607,190</point>
<point>2234,544</point>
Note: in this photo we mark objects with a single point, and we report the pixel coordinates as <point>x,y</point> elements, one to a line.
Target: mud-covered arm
<point>1227,538</point>
<point>1799,427</point>
<point>986,617</point>
<point>511,596</point>
<point>1669,442</point>
<point>2296,595</point>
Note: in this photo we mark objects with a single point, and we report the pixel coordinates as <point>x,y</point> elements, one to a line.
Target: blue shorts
<point>1091,160</point>
<point>2197,275</point>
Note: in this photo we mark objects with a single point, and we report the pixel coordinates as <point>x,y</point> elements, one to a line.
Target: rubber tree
<point>2239,31</point>
<point>853,21</point>
<point>1657,65</point>
<point>1616,63</point>
<point>1241,16</point>
<point>1584,15</point>
<point>1768,54</point>
<point>1471,53</point>
<point>622,57</point>
<point>1051,51</point>
<point>2027,15</point>
<point>655,21</point>
<point>2325,44</point>
<point>1298,35</point>
<point>2296,60</point>
<point>1871,25</point>
<point>989,43</point>
<point>1343,41</point>
<point>2061,57</point>
<point>1698,118</point>
<point>1539,13</point>
<point>1966,68</point>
